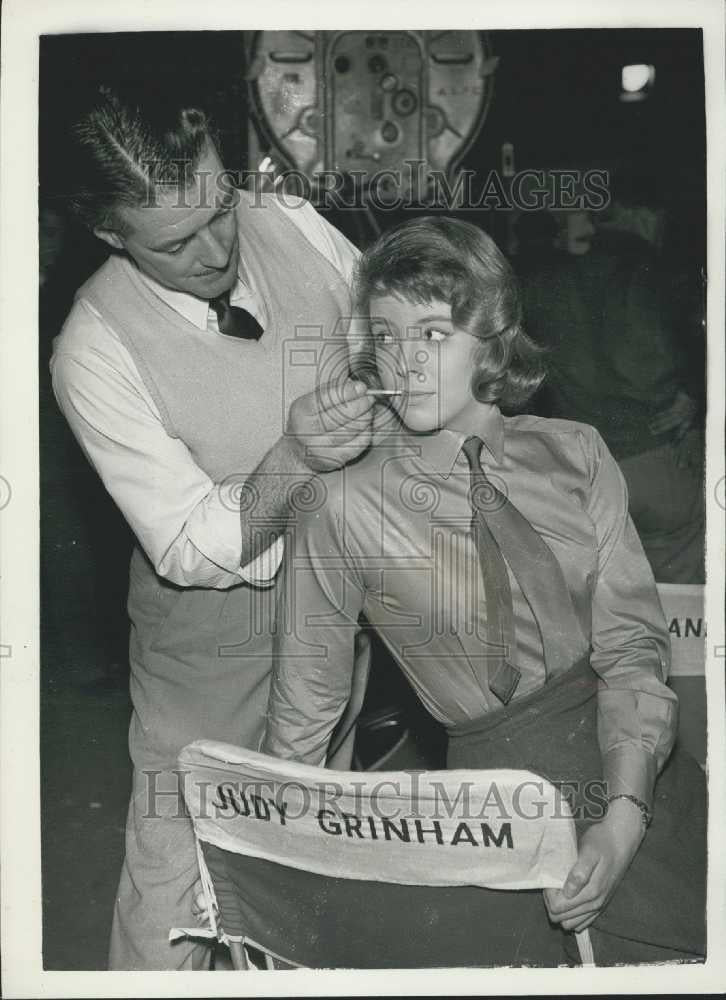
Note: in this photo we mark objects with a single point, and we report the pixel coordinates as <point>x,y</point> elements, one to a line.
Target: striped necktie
<point>502,533</point>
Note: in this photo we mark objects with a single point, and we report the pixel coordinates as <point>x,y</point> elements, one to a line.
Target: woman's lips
<point>413,395</point>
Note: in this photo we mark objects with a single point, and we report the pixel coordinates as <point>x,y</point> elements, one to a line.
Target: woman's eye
<point>431,333</point>
<point>175,250</point>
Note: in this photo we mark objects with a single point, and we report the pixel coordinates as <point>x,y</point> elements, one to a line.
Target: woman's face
<point>419,350</point>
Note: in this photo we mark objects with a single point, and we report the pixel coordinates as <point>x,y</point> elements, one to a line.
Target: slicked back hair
<point>437,258</point>
<point>124,156</point>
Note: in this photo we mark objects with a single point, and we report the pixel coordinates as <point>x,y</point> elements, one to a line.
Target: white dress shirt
<point>189,531</point>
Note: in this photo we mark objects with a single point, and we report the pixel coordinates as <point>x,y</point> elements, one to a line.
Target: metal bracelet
<point>645,812</point>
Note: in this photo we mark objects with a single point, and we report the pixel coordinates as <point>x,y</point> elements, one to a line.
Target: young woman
<point>495,557</point>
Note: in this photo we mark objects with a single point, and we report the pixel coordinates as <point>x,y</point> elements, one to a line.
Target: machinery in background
<point>383,111</point>
<point>381,114</point>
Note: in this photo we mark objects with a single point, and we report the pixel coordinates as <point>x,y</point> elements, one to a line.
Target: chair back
<point>357,869</point>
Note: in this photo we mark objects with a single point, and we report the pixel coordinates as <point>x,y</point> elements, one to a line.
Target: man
<point>171,370</point>
<point>599,303</point>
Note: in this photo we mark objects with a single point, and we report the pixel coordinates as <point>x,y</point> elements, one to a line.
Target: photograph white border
<point>22,22</point>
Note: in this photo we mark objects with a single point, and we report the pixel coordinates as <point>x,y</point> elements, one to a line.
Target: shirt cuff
<point>207,551</point>
<point>630,770</point>
<point>263,569</point>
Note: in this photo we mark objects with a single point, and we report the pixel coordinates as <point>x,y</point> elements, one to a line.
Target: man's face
<point>578,232</point>
<point>420,350</point>
<point>186,241</point>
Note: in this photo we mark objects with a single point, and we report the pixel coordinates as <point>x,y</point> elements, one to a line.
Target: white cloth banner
<point>683,609</point>
<point>504,829</point>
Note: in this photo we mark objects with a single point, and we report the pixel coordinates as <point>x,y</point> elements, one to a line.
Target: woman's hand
<point>604,855</point>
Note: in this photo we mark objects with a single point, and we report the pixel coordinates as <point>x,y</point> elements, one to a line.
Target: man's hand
<point>690,451</point>
<point>604,855</point>
<point>679,417</point>
<point>332,425</point>
<point>326,429</point>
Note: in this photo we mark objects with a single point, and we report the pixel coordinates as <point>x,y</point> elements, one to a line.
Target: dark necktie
<point>502,533</point>
<point>233,321</point>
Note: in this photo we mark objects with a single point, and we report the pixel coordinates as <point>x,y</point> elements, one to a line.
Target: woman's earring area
<point>479,387</point>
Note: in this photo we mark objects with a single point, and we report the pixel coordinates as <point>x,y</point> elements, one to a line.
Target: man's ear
<point>109,236</point>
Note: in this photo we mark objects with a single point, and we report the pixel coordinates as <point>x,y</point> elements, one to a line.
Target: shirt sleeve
<point>323,596</point>
<point>187,525</point>
<point>637,712</point>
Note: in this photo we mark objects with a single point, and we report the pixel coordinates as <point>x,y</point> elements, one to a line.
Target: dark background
<point>555,98</point>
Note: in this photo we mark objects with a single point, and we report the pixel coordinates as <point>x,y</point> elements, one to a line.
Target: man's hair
<point>448,260</point>
<point>124,155</point>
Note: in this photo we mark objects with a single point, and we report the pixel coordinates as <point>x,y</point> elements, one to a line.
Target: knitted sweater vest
<point>227,399</point>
